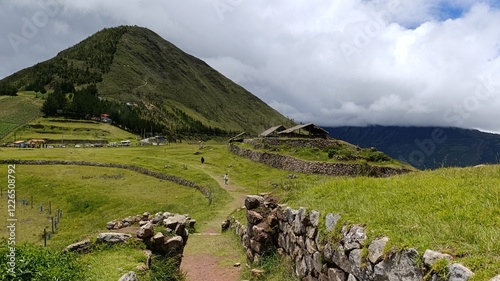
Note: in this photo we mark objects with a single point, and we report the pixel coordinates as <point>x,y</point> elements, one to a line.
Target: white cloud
<point>356,62</point>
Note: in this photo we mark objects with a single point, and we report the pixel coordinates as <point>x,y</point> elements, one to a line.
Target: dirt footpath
<point>212,255</point>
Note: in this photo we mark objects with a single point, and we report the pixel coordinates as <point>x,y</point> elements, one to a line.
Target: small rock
<point>458,272</point>
<point>192,222</point>
<point>145,216</point>
<point>257,272</point>
<point>131,276</point>
<point>496,278</point>
<point>430,257</point>
<point>110,225</point>
<point>225,225</point>
<point>331,221</point>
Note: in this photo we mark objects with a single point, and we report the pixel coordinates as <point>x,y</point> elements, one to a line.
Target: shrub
<point>33,263</point>
<point>165,269</point>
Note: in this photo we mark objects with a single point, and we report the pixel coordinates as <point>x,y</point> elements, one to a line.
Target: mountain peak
<point>132,64</point>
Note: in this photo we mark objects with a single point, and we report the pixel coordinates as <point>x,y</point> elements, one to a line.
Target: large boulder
<point>173,245</point>
<point>113,238</point>
<point>79,247</point>
<point>172,221</point>
<point>376,249</point>
<point>253,201</point>
<point>254,217</point>
<point>260,232</point>
<point>146,231</point>
<point>399,266</point>
<point>354,237</point>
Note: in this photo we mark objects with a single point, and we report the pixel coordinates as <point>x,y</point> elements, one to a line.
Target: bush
<point>165,269</point>
<point>340,153</point>
<point>377,156</point>
<point>276,268</point>
<point>33,263</point>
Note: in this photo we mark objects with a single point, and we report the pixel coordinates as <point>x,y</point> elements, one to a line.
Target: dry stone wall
<point>351,256</point>
<point>169,243</point>
<point>314,167</point>
<point>141,170</point>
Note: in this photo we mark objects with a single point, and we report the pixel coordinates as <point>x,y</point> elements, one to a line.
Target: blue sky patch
<point>447,11</point>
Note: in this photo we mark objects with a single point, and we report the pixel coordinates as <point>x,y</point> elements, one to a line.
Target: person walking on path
<point>226,178</point>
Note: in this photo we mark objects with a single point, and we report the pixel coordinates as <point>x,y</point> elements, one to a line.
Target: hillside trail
<point>211,255</point>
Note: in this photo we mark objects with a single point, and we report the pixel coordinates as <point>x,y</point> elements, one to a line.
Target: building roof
<point>237,136</point>
<point>271,130</point>
<point>311,128</point>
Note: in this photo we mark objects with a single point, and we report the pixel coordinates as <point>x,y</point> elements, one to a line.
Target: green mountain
<point>138,73</point>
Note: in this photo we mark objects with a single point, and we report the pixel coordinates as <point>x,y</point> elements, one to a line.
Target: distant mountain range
<point>426,147</point>
<point>133,66</point>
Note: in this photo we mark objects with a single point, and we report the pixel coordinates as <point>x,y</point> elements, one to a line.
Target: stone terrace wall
<point>141,170</point>
<point>294,234</point>
<point>316,143</point>
<point>313,167</point>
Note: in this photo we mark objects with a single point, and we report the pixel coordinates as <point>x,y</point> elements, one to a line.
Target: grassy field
<point>454,210</point>
<point>66,129</point>
<point>92,196</point>
<point>450,210</point>
<point>18,110</point>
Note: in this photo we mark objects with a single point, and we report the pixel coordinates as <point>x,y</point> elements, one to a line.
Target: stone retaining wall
<point>141,170</point>
<point>273,142</point>
<point>169,244</point>
<point>350,256</point>
<point>313,167</point>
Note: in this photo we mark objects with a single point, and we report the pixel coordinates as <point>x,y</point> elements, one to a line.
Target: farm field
<point>453,210</point>
<point>61,129</point>
<point>18,110</point>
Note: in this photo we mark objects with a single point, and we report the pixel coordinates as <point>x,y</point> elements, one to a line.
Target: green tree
<point>85,103</point>
<point>54,103</point>
<point>7,90</point>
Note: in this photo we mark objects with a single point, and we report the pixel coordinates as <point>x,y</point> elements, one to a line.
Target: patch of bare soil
<point>205,267</point>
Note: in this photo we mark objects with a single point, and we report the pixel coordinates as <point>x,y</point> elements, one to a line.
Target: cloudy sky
<point>331,62</point>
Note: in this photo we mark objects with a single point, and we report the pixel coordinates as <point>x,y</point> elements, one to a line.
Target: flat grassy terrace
<point>61,130</point>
